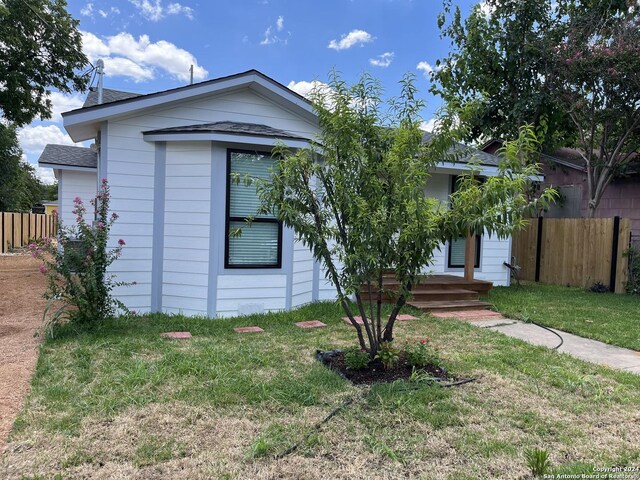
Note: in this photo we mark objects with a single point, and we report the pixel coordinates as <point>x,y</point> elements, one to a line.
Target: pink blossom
<point>100,225</point>
<point>43,269</point>
<point>114,216</point>
<point>121,242</point>
<point>77,200</point>
<point>32,246</point>
<point>104,181</point>
<point>133,312</point>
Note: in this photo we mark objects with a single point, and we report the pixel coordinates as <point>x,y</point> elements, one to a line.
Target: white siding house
<point>168,157</point>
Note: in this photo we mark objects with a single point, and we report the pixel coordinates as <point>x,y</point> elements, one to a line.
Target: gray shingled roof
<point>471,154</point>
<point>234,128</point>
<point>108,96</point>
<point>69,156</point>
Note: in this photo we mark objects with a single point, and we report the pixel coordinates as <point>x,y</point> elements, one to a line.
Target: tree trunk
<point>469,255</point>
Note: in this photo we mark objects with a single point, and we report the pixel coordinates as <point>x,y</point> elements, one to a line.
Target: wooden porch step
<point>432,306</point>
<point>445,294</point>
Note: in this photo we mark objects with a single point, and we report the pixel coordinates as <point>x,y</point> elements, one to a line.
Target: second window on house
<point>260,244</point>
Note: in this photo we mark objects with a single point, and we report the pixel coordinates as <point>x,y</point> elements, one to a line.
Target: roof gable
<point>83,123</point>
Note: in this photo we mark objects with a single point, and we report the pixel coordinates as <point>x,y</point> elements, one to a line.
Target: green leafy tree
<point>496,68</point>
<point>41,48</point>
<point>356,198</point>
<point>571,68</point>
<point>594,73</point>
<point>20,189</point>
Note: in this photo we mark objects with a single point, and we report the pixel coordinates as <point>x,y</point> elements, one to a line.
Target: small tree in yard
<point>76,265</point>
<point>356,197</point>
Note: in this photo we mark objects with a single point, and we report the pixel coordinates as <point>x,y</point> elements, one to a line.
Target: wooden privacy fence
<point>574,251</point>
<point>16,229</point>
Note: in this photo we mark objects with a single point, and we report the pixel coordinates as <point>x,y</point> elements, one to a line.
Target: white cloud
<point>486,9</point>
<point>87,10</point>
<point>124,67</point>
<point>33,139</point>
<point>270,35</point>
<point>383,60</point>
<point>425,68</point>
<point>150,11</point>
<point>140,59</point>
<point>429,125</point>
<point>156,11</point>
<point>305,88</point>
<point>354,37</point>
<point>176,9</point>
<point>63,103</point>
<point>45,175</point>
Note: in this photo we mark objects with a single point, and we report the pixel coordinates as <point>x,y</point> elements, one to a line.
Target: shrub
<point>76,265</point>
<point>599,287</point>
<point>388,354</point>
<point>632,286</point>
<point>356,358</point>
<point>420,353</point>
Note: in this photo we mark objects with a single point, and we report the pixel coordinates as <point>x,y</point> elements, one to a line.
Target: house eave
<point>55,166</point>
<point>224,138</point>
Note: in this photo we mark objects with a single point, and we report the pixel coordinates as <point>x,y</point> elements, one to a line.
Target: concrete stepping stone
<point>356,318</point>
<point>405,317</point>
<point>248,329</point>
<point>311,324</point>
<point>176,335</point>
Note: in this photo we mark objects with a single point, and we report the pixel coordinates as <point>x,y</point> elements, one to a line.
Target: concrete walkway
<point>583,348</point>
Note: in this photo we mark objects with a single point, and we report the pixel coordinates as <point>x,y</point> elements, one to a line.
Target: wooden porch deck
<point>445,293</point>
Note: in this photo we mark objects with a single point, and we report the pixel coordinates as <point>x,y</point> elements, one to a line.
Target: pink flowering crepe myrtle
<point>78,271</point>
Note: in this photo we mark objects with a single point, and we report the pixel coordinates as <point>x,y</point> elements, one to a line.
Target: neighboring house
<point>50,206</point>
<point>565,170</point>
<point>168,157</point>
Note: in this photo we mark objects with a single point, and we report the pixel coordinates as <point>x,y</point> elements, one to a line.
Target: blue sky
<point>148,45</point>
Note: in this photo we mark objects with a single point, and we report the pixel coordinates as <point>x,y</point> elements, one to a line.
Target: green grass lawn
<point>607,317</point>
<point>118,401</point>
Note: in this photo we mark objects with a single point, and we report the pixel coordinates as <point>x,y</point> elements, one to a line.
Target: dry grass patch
<point>119,402</point>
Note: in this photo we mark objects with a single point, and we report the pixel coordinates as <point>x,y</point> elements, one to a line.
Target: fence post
<point>538,249</point>
<point>614,253</point>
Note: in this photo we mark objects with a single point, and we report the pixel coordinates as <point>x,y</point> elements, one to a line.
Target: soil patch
<point>21,307</point>
<point>375,372</point>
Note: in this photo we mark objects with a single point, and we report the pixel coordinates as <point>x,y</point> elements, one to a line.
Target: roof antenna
<point>191,74</point>
<point>100,73</point>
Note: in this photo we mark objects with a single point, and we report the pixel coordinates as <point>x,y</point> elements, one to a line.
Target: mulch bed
<point>375,372</point>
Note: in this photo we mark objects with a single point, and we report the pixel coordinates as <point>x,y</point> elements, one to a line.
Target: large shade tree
<point>41,49</point>
<point>569,67</point>
<point>356,197</point>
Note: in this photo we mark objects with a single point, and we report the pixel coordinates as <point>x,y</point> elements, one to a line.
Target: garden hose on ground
<point>552,331</point>
<point>351,400</point>
<point>537,325</point>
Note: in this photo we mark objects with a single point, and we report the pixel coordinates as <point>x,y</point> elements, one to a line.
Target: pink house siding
<point>621,198</point>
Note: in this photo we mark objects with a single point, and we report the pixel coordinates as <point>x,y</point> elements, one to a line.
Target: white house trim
<point>157,254</point>
<point>67,167</point>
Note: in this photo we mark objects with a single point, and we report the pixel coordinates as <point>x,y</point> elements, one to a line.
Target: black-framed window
<point>260,244</point>
<point>456,255</point>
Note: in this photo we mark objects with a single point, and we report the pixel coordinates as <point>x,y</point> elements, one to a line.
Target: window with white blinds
<point>260,244</point>
<point>457,246</point>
